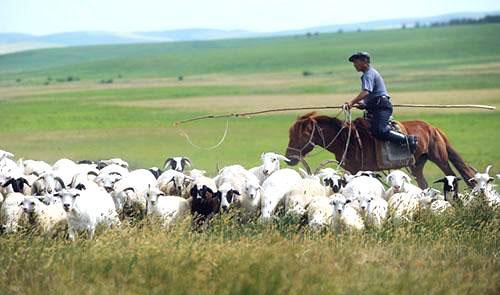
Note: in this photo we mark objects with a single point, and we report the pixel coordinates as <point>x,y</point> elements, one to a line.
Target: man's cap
<point>360,55</point>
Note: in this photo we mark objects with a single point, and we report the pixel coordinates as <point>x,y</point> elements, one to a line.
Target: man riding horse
<point>375,99</point>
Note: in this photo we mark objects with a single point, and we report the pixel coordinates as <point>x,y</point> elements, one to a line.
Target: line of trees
<point>468,21</point>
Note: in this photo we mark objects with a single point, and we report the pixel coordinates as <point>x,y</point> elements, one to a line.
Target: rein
<point>348,119</point>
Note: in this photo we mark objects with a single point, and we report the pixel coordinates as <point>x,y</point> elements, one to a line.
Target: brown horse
<point>311,129</point>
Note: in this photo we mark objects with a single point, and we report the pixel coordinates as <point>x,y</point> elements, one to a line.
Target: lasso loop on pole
<point>183,133</point>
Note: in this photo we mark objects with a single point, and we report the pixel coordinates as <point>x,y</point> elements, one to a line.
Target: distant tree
<point>316,34</point>
<point>18,80</point>
<point>358,30</point>
<point>403,26</point>
<point>180,78</point>
<point>308,35</point>
<point>340,31</point>
<point>417,25</point>
<point>306,73</point>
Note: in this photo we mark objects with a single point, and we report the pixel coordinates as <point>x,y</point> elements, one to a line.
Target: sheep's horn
<point>167,161</point>
<point>187,160</point>
<point>61,182</point>
<point>323,164</point>
<point>488,169</point>
<point>304,163</point>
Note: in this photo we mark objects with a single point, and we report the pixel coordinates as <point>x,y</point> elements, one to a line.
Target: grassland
<point>132,118</point>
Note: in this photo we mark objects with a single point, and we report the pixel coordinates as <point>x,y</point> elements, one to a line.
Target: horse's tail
<point>465,170</point>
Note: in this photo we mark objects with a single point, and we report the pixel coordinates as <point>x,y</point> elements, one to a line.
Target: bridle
<point>326,146</point>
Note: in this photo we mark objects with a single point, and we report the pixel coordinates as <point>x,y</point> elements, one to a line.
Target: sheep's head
<point>450,184</point>
<point>252,189</point>
<point>107,181</point>
<point>365,202</point>
<point>397,179</point>
<point>338,202</point>
<point>29,204</point>
<point>153,194</point>
<point>177,163</point>
<point>228,196</point>
<point>271,162</point>
<point>51,183</point>
<point>330,178</point>
<point>68,198</point>
<point>481,180</point>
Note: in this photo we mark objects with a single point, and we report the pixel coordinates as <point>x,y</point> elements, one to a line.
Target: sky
<point>41,17</point>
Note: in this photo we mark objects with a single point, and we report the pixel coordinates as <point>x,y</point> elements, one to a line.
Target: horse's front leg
<point>418,171</point>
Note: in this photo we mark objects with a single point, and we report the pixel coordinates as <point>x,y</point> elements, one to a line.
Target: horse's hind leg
<point>418,171</point>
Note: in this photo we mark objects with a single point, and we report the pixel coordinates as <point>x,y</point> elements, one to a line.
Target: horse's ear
<point>307,126</point>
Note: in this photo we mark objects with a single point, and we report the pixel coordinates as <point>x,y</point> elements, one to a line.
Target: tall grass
<point>455,253</point>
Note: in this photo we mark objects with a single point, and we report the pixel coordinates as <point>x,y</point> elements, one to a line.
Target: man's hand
<point>347,106</point>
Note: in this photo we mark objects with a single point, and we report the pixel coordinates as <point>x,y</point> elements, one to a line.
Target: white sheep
<point>239,186</point>
<point>345,213</point>
<point>88,209</point>
<point>270,164</point>
<point>249,200</point>
<point>403,205</point>
<point>174,183</point>
<point>433,200</point>
<point>47,183</point>
<point>363,186</point>
<point>274,189</point>
<point>35,167</point>
<point>400,182</point>
<point>483,186</point>
<point>301,194</point>
<point>319,212</point>
<point>168,208</point>
<point>130,191</point>
<point>45,217</point>
<point>374,208</point>
<point>11,212</point>
<point>114,169</point>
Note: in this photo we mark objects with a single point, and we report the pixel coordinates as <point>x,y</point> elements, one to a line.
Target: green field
<point>44,117</point>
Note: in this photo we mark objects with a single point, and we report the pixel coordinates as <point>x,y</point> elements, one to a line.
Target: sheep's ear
<point>218,195</point>
<point>440,180</point>
<point>92,173</point>
<point>343,181</point>
<point>408,179</point>
<point>236,192</point>
<point>8,182</point>
<point>388,178</point>
<point>115,173</point>
<point>347,201</point>
<point>81,187</point>
<point>76,195</point>
<point>25,181</point>
<point>458,178</point>
<point>194,191</point>
<point>490,179</point>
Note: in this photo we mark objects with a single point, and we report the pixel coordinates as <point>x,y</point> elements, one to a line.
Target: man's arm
<point>357,99</point>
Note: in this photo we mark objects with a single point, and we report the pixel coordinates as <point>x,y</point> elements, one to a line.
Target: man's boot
<point>397,137</point>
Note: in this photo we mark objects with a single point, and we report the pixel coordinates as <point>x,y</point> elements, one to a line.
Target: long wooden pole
<point>434,106</point>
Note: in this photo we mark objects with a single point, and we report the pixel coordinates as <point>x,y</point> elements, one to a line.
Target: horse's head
<point>300,138</point>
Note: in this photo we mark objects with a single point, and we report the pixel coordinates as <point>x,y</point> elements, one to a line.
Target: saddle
<point>389,155</point>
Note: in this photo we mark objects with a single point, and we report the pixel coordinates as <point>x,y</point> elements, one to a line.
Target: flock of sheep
<point>82,195</point>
